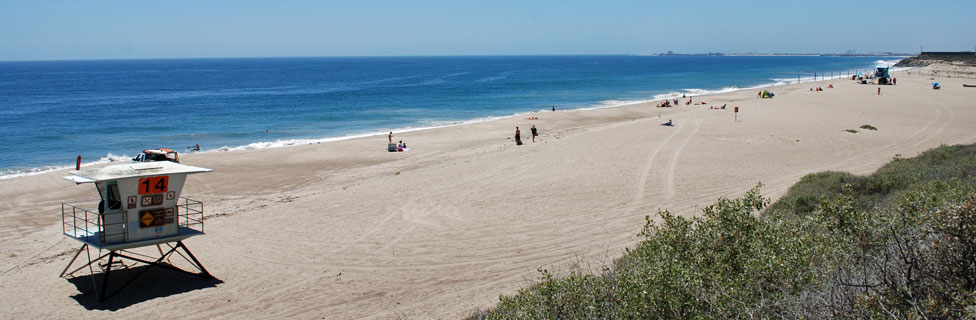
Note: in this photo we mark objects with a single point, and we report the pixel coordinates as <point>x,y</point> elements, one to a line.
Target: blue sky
<point>46,30</point>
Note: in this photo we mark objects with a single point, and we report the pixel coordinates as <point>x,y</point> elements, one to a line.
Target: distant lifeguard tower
<point>139,205</point>
<point>881,73</point>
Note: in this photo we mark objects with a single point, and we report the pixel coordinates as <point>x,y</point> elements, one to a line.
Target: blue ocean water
<point>109,110</point>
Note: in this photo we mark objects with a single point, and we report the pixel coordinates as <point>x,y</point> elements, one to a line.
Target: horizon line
<point>662,54</point>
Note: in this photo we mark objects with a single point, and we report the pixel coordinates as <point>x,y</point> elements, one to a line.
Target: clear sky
<point>45,30</point>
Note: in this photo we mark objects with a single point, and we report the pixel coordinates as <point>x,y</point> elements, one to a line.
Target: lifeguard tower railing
<point>80,222</point>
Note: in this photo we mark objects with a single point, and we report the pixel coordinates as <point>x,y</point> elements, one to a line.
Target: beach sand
<point>347,230</point>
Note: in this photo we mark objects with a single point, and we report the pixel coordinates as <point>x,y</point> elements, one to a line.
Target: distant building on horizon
<point>671,53</point>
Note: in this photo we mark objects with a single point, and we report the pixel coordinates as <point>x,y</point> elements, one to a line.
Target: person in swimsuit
<point>534,133</point>
<point>518,136</point>
<point>391,136</point>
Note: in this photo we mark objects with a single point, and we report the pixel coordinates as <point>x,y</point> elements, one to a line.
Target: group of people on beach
<point>518,135</point>
<point>535,132</point>
<point>829,86</point>
<point>667,103</point>
<point>401,146</point>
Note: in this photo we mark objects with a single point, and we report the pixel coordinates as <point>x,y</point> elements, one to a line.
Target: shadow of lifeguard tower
<point>139,205</point>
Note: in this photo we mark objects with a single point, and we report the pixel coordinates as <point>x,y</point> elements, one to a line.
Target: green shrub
<point>804,197</point>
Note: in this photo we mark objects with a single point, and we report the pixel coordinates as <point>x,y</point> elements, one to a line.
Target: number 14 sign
<point>151,185</point>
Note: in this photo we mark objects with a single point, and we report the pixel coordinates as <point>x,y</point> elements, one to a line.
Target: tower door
<point>113,217</point>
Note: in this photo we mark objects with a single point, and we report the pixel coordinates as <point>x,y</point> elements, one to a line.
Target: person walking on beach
<point>534,133</point>
<point>391,136</point>
<point>518,137</point>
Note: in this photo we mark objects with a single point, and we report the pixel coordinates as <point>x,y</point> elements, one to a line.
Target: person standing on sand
<point>553,108</point>
<point>391,136</point>
<point>534,133</point>
<point>518,137</point>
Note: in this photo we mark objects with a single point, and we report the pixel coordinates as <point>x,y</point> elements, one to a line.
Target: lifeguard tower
<point>881,73</point>
<point>139,205</point>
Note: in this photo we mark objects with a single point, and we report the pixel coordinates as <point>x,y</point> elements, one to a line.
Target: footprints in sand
<point>660,174</point>
<point>238,205</point>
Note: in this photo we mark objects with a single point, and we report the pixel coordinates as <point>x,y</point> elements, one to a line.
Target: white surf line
<point>646,171</point>
<point>673,165</point>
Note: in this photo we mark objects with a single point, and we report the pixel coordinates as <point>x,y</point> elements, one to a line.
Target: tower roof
<point>134,170</point>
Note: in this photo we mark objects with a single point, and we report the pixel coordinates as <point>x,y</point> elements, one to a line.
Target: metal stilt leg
<point>83,247</point>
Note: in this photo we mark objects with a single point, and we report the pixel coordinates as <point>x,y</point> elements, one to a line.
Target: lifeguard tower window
<point>113,198</point>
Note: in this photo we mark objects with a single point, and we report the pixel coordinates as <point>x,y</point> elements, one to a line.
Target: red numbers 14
<point>150,185</point>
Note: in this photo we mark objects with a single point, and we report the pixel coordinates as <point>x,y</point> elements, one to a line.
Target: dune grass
<point>900,243</point>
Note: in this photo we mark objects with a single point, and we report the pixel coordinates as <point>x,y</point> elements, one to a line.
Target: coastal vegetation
<point>923,60</point>
<point>900,243</point>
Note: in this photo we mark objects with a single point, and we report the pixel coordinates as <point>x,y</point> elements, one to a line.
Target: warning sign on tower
<point>152,218</point>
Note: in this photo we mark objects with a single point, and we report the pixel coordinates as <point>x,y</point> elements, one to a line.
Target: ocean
<point>109,110</point>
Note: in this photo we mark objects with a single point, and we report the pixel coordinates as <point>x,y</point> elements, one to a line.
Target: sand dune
<point>347,230</point>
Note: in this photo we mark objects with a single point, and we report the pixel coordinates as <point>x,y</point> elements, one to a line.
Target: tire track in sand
<point>671,165</point>
<point>646,170</point>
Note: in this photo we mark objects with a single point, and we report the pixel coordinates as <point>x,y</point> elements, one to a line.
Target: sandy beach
<point>345,229</point>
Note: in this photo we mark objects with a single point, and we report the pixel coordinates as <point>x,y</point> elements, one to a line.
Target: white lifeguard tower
<point>139,205</point>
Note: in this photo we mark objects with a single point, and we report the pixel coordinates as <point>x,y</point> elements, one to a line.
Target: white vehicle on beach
<point>161,154</point>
